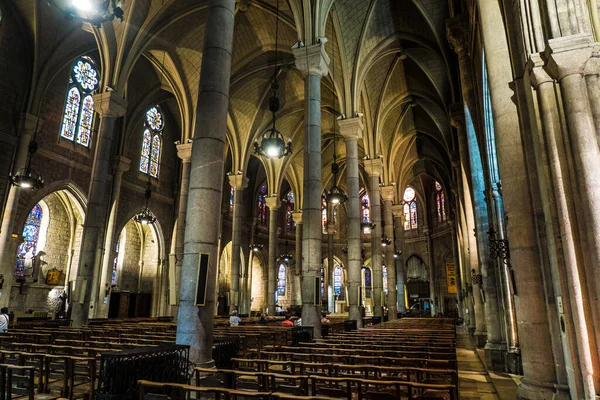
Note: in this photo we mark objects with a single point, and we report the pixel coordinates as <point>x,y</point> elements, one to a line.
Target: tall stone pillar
<point>313,62</point>
<point>273,203</point>
<point>121,165</point>
<point>109,107</point>
<point>330,263</point>
<point>352,130</point>
<point>374,168</point>
<point>239,183</point>
<point>398,213</point>
<point>195,324</point>
<point>387,193</point>
<point>8,244</point>
<point>297,216</point>
<point>433,295</point>
<point>457,268</point>
<point>184,152</point>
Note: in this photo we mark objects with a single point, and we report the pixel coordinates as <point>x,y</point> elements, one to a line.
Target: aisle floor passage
<point>474,381</point>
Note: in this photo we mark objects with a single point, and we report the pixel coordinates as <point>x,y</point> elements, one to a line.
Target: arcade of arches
<point>465,135</point>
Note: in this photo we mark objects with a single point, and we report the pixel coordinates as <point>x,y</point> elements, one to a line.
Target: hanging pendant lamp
<point>146,217</point>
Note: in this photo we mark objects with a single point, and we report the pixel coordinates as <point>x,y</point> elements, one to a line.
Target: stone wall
<point>130,253</point>
<point>258,286</point>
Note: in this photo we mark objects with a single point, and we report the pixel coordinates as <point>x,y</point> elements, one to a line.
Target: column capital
<point>273,202</point>
<point>297,216</point>
<point>122,164</point>
<point>568,55</point>
<point>398,211</point>
<point>28,122</point>
<point>110,104</point>
<point>388,192</point>
<point>457,33</point>
<point>374,167</point>
<point>537,73</point>
<point>312,60</point>
<point>351,128</point>
<point>238,182</point>
<point>184,151</point>
<point>457,115</point>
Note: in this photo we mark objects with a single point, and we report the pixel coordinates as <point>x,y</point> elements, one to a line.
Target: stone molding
<point>374,167</point>
<point>457,33</point>
<point>568,55</point>
<point>388,192</point>
<point>351,128</point>
<point>457,115</point>
<point>110,104</point>
<point>238,182</point>
<point>312,60</point>
<point>184,152</point>
<point>398,210</point>
<point>297,216</point>
<point>122,164</point>
<point>273,202</point>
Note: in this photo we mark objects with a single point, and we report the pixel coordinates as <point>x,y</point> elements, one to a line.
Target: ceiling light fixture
<point>93,11</point>
<point>146,217</point>
<point>27,178</point>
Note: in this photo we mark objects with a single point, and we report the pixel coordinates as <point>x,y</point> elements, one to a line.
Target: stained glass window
<point>367,283</point>
<point>85,121</point>
<point>281,279</point>
<point>115,263</point>
<point>145,157</point>
<point>152,142</point>
<point>365,210</point>
<point>441,204</point>
<point>155,156</point>
<point>290,224</point>
<point>70,115</point>
<point>337,280</point>
<point>262,204</point>
<point>31,234</point>
<point>410,209</point>
<point>384,272</point>
<point>324,214</point>
<point>322,282</point>
<point>231,196</point>
<point>78,115</point>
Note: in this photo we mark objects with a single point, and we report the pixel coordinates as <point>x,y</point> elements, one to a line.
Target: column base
<point>480,339</point>
<point>539,391</point>
<point>513,363</point>
<point>495,357</point>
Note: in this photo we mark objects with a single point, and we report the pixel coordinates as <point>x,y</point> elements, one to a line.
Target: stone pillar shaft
<point>239,183</point>
<point>457,268</point>
<point>27,126</point>
<point>273,203</point>
<point>109,106</point>
<point>352,130</point>
<point>330,263</point>
<point>195,324</point>
<point>390,249</point>
<point>433,295</point>
<point>298,258</point>
<point>398,214</point>
<point>122,165</point>
<point>373,168</point>
<point>312,61</point>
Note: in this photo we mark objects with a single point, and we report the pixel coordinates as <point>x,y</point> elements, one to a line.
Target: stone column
<point>273,203</point>
<point>239,183</point>
<point>8,244</point>
<point>195,324</point>
<point>109,107</point>
<point>457,268</point>
<point>313,62</point>
<point>374,168</point>
<point>184,152</point>
<point>298,257</point>
<point>352,130</point>
<point>329,277</point>
<point>432,271</point>
<point>387,193</point>
<point>398,213</point>
<point>121,165</point>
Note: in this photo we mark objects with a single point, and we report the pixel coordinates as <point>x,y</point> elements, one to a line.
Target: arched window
<point>365,208</point>
<point>290,224</point>
<point>440,202</point>
<point>337,280</point>
<point>113,280</point>
<point>324,214</point>
<point>231,195</point>
<point>410,209</point>
<point>28,249</point>
<point>322,282</point>
<point>367,283</point>
<point>281,280</point>
<point>152,142</point>
<point>262,204</point>
<point>78,115</point>
<point>384,272</point>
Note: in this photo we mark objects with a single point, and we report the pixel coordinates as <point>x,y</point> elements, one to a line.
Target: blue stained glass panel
<point>31,235</point>
<point>385,278</point>
<point>145,156</point>
<point>70,115</point>
<point>262,204</point>
<point>281,280</point>
<point>337,280</point>
<point>85,121</point>
<point>155,156</point>
<point>85,75</point>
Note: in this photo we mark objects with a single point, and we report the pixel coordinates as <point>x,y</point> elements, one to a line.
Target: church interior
<point>300,199</point>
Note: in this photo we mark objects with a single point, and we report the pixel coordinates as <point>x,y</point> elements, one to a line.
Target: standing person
<point>234,320</point>
<point>4,319</point>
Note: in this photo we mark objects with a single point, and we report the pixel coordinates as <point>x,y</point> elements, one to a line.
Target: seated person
<point>287,321</point>
<point>263,320</point>
<point>324,319</point>
<point>234,320</point>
